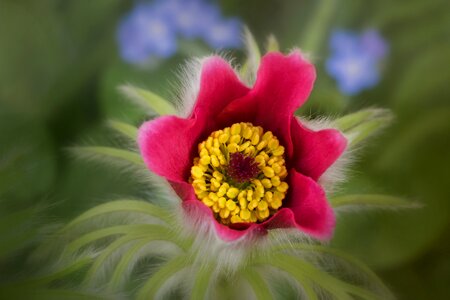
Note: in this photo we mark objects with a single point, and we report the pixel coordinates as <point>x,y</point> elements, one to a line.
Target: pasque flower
<point>240,159</point>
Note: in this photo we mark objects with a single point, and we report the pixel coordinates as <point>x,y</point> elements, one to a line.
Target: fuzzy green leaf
<point>358,265</point>
<point>257,283</point>
<point>372,201</point>
<point>149,101</point>
<point>111,154</point>
<point>272,44</point>
<point>251,65</point>
<point>114,230</point>
<point>125,129</point>
<point>367,129</point>
<point>202,282</point>
<point>121,206</point>
<point>349,121</point>
<point>154,283</point>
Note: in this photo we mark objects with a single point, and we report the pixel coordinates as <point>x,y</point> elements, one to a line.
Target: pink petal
<point>219,86</point>
<point>167,146</point>
<point>306,209</point>
<point>315,151</point>
<point>198,211</point>
<point>168,143</point>
<point>283,84</point>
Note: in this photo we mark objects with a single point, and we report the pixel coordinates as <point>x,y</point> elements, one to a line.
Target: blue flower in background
<point>355,60</point>
<point>151,29</point>
<point>224,34</point>
<point>143,33</point>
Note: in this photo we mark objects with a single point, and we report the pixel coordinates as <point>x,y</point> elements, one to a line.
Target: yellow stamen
<point>236,201</point>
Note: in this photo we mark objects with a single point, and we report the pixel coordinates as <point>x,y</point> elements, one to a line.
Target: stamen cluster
<point>240,174</point>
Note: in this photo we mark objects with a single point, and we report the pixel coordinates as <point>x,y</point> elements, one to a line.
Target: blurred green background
<point>59,72</point>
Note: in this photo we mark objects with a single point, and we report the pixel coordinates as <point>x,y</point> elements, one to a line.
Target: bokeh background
<point>61,63</point>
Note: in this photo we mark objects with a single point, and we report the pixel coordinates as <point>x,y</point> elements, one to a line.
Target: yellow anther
<point>213,197</point>
<point>236,219</point>
<point>275,204</point>
<point>247,133</point>
<point>205,160</point>
<point>231,205</point>
<point>245,214</point>
<point>260,160</point>
<point>279,151</point>
<point>224,213</point>
<point>268,196</point>
<point>232,193</point>
<point>252,205</point>
<point>263,214</point>
<point>262,205</point>
<point>266,183</point>
<point>223,138</point>
<point>218,175</point>
<point>273,144</point>
<point>276,168</point>
<point>249,195</point>
<point>236,128</point>
<point>243,202</point>
<point>235,139</point>
<point>275,180</point>
<point>215,161</point>
<point>268,172</point>
<point>204,152</point>
<point>250,151</point>
<point>196,172</point>
<point>216,208</point>
<point>278,195</point>
<point>222,202</point>
<point>283,187</point>
<point>222,160</point>
<point>208,202</point>
<point>232,148</point>
<point>244,146</point>
<point>267,136</point>
<point>255,138</point>
<point>261,145</point>
<point>209,142</point>
<point>216,143</point>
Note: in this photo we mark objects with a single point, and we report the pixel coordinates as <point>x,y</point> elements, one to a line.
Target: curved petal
<point>283,84</point>
<point>315,151</point>
<point>167,146</point>
<point>307,209</point>
<point>219,85</point>
<point>198,210</point>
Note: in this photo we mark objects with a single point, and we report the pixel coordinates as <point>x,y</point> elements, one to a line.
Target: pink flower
<point>169,143</point>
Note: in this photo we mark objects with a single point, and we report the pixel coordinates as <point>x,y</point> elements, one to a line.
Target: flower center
<point>239,174</point>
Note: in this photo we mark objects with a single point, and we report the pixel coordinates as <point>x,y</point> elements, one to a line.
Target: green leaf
<point>336,287</point>
<point>357,264</point>
<point>113,230</point>
<point>251,65</point>
<point>125,129</point>
<point>110,154</point>
<point>257,283</point>
<point>149,101</point>
<point>349,121</point>
<point>154,283</point>
<point>367,129</point>
<point>120,270</point>
<point>121,206</point>
<point>272,44</point>
<point>374,201</point>
<point>202,282</point>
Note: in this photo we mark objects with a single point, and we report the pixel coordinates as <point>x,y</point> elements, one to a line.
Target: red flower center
<point>242,168</point>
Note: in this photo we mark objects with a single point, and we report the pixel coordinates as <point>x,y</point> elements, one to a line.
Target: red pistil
<point>242,168</point>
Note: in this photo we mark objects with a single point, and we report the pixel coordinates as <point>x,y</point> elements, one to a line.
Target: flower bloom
<point>355,60</point>
<point>240,159</point>
<point>151,29</point>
